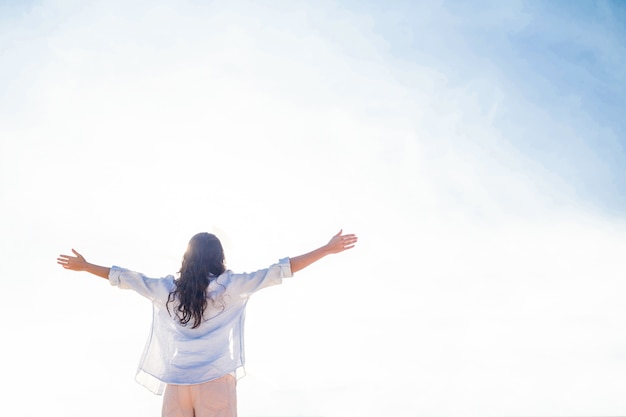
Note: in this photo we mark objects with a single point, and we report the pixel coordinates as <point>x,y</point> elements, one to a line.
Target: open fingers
<point>349,239</point>
<point>64,260</point>
<point>70,262</point>
<point>345,242</point>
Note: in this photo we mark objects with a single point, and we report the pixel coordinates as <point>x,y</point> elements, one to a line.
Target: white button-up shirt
<point>176,354</point>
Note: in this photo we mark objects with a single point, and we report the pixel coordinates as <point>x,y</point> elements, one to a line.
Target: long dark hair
<point>202,263</point>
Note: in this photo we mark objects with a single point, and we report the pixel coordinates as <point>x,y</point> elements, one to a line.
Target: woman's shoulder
<point>230,280</point>
<point>225,277</point>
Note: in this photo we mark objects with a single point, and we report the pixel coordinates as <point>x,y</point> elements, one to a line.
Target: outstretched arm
<point>78,263</point>
<point>337,244</point>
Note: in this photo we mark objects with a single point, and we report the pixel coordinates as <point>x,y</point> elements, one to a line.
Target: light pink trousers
<point>217,398</point>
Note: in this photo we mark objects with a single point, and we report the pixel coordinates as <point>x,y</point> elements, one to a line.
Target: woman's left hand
<point>75,263</point>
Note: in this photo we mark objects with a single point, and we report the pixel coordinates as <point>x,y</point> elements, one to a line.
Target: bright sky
<point>478,152</point>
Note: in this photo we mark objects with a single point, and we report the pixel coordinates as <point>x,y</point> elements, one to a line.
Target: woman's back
<point>178,353</point>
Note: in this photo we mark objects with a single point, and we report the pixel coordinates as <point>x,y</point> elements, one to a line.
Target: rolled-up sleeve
<point>285,268</point>
<point>114,275</point>
<point>151,288</point>
<point>249,283</point>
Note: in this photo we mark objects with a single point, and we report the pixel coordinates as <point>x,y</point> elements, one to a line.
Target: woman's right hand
<point>340,242</point>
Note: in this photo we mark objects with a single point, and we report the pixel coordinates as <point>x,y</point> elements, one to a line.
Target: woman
<point>195,348</point>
